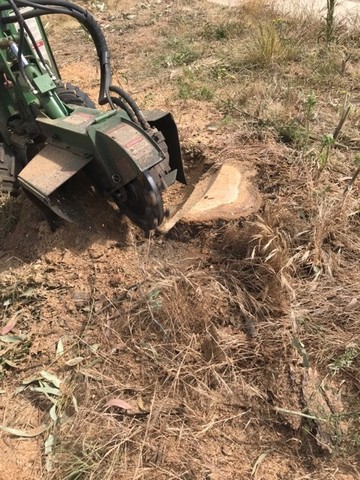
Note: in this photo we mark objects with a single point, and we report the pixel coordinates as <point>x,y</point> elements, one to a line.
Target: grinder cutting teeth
<point>141,202</point>
<point>50,131</point>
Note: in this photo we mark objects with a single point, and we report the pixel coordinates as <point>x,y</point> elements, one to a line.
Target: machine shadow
<point>27,236</point>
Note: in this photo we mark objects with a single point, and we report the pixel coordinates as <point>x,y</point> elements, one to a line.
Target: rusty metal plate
<point>50,169</point>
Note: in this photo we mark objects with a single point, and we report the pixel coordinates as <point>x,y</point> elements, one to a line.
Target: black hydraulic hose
<point>21,23</point>
<point>35,45</point>
<point>119,91</point>
<point>88,21</point>
<point>41,7</point>
<point>117,101</point>
<point>56,3</point>
<point>143,122</point>
<point>4,7</point>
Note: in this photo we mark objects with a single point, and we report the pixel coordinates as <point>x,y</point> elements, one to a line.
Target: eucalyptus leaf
<point>300,347</point>
<point>12,338</point>
<point>20,389</point>
<point>49,444</point>
<point>90,375</point>
<point>11,324</point>
<point>49,450</point>
<point>75,404</point>
<point>11,364</point>
<point>53,414</point>
<point>24,433</point>
<point>48,464</point>
<point>51,378</point>
<point>95,347</point>
<point>118,402</point>
<point>29,380</point>
<point>74,361</point>
<point>59,349</point>
<point>47,390</point>
<point>29,293</point>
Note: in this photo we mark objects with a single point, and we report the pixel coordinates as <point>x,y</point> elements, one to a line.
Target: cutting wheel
<point>141,201</point>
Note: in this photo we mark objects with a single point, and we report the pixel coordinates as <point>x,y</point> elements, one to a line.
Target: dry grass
<point>235,344</point>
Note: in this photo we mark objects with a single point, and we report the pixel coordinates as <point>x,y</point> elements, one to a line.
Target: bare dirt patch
<point>19,459</point>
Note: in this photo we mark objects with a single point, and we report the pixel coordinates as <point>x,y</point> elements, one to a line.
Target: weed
<point>327,143</point>
<point>291,133</point>
<point>190,87</point>
<point>205,94</point>
<point>326,67</point>
<point>184,53</point>
<point>185,90</point>
<point>299,133</point>
<point>222,71</point>
<point>14,349</point>
<point>266,47</point>
<point>79,465</point>
<point>355,438</point>
<point>272,44</point>
<point>346,360</point>
<point>222,31</point>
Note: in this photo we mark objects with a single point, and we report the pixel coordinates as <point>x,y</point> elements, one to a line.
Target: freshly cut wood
<point>225,192</point>
<point>232,195</point>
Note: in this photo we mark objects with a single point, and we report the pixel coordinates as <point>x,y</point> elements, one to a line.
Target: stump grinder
<point>53,139</point>
<point>50,130</point>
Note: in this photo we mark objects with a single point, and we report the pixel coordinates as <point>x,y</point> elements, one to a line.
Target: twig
<point>300,414</point>
<point>352,181</point>
<point>244,112</point>
<point>342,120</point>
<point>336,144</point>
